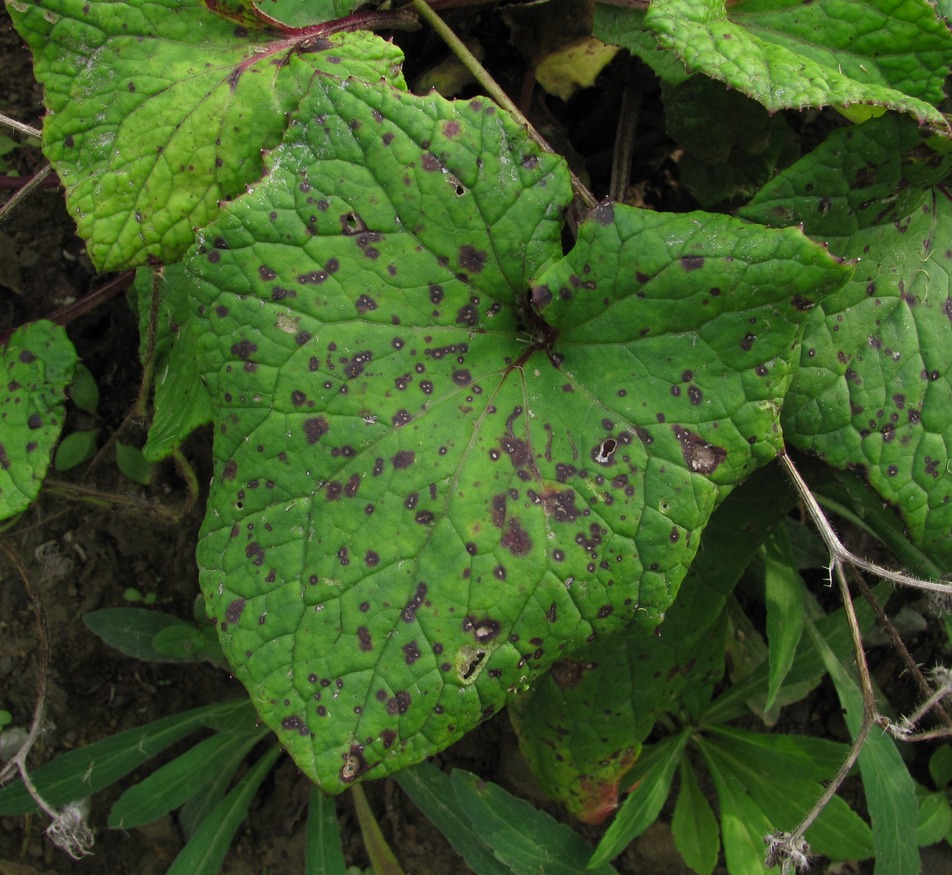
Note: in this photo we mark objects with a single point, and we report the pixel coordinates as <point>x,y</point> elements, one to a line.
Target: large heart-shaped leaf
<point>159,109</point>
<point>427,487</point>
<point>872,392</point>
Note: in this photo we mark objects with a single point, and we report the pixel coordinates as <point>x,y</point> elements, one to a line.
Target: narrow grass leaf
<point>382,859</point>
<point>83,771</point>
<point>890,791</point>
<point>205,850</point>
<point>651,783</point>
<point>323,854</point>
<point>432,792</point>
<point>784,596</point>
<point>694,826</point>
<point>178,781</point>
<point>521,836</point>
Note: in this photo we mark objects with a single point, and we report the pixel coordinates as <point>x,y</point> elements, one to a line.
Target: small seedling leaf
<point>76,448</point>
<point>785,609</point>
<point>36,366</point>
<point>132,463</point>
<point>521,836</point>
<point>83,391</point>
<point>132,630</point>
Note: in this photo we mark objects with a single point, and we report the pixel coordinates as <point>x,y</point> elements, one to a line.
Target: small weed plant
<point>484,440</point>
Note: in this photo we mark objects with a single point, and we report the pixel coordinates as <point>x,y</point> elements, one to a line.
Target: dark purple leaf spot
<point>472,259</point>
<point>515,539</point>
<point>364,304</point>
<point>364,639</point>
<point>267,273</point>
<point>243,349</point>
<point>295,724</point>
<point>411,652</point>
<point>354,764</point>
<point>430,163</point>
<point>399,703</point>
<point>255,552</point>
<point>692,262</point>
<point>400,418</point>
<point>234,610</point>
<point>468,316</point>
<point>315,429</point>
<point>483,629</point>
<point>451,129</point>
<point>415,603</point>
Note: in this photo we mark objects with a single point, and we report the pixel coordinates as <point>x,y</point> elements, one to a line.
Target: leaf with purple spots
<point>36,366</point>
<point>435,475</point>
<point>159,109</point>
<point>873,390</point>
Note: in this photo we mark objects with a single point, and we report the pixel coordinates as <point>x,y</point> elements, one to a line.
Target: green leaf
<point>132,630</point>
<point>132,463</point>
<point>178,781</point>
<point>323,854</point>
<point>785,776</point>
<point>83,391</point>
<point>872,390</point>
<point>581,759</point>
<point>160,109</point>
<point>785,608</point>
<point>382,859</point>
<point>940,766</point>
<point>743,823</point>
<point>185,642</point>
<point>693,825</point>
<point>791,55</point>
<point>890,791</point>
<point>935,819</point>
<point>86,770</point>
<point>650,785</point>
<point>181,403</point>
<point>625,27</point>
<point>76,448</point>
<point>732,144</point>
<point>432,792</point>
<point>36,366</point>
<point>521,836</point>
<point>492,469</point>
<point>205,850</point>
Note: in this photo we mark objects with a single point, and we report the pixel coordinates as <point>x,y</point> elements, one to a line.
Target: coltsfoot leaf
<point>159,109</point>
<point>36,366</point>
<point>789,54</point>
<point>873,389</point>
<point>432,482</point>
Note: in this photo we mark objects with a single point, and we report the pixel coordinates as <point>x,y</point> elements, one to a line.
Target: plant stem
<point>20,126</point>
<point>28,187</point>
<point>492,88</point>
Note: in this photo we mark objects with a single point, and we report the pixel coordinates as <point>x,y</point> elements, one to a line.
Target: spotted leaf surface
<point>159,109</point>
<point>429,488</point>
<point>36,366</point>
<point>873,392</point>
<point>792,54</point>
<point>582,725</point>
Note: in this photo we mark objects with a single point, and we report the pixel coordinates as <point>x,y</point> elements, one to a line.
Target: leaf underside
<point>429,488</point>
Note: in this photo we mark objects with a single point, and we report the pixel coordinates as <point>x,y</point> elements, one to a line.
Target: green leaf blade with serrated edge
<point>160,110</point>
<point>424,492</point>
<point>872,391</point>
<point>36,366</point>
<point>791,55</point>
